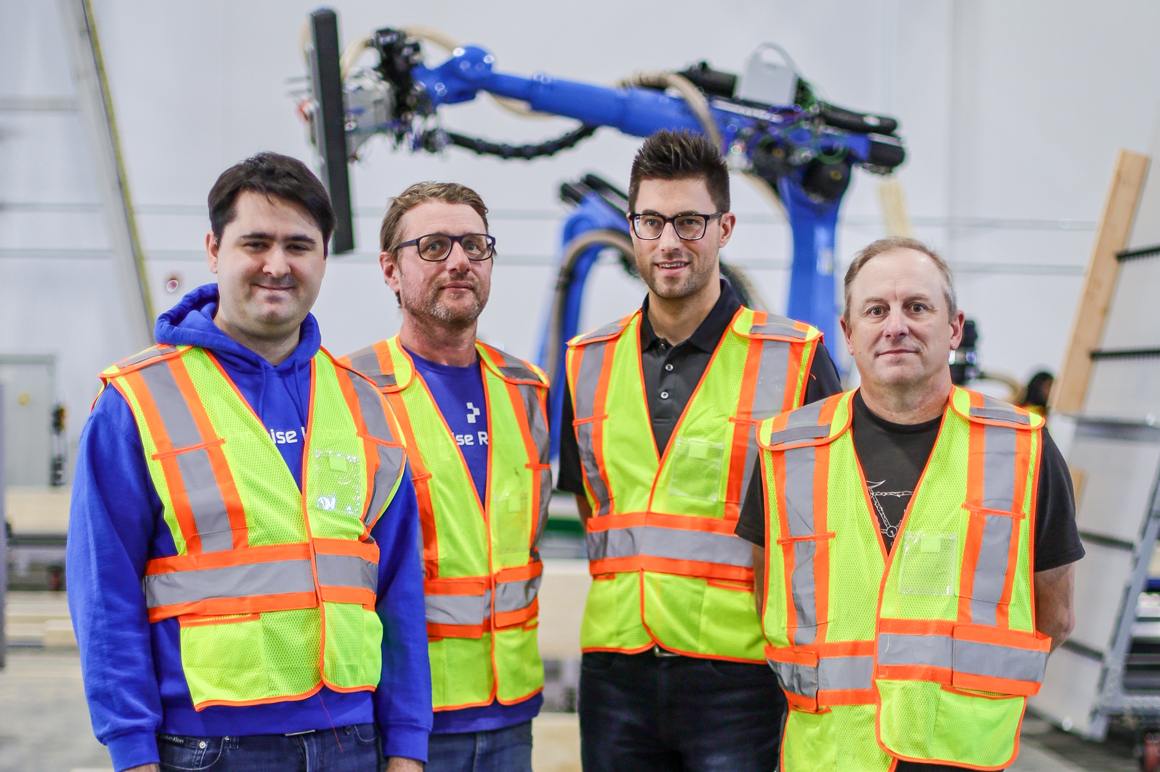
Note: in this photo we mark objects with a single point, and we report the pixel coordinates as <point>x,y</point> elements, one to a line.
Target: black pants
<point>646,713</point>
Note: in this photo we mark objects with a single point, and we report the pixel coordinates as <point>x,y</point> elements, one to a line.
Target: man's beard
<point>698,276</point>
<point>429,306</point>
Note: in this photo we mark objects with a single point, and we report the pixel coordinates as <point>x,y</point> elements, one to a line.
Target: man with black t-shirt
<point>660,424</point>
<point>924,543</point>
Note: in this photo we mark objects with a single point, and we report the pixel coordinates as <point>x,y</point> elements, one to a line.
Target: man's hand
<point>400,764</point>
<point>145,768</point>
<point>585,509</point>
<point>1054,613</point>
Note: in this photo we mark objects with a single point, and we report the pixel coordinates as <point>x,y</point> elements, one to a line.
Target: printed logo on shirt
<point>479,438</point>
<point>472,412</point>
<point>288,437</point>
<point>889,530</point>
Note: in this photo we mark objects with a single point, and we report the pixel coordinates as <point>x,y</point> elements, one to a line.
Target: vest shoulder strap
<point>384,363</point>
<point>607,332</point>
<point>994,412</point>
<point>513,369</point>
<point>810,424</point>
<point>146,358</point>
<point>767,326</point>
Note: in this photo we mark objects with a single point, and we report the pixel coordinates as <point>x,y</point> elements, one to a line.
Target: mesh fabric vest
<point>481,564</point>
<point>274,588</point>
<point>666,566</point>
<point>927,653</point>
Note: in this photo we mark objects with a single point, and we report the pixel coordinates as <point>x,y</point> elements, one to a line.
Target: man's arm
<point>403,697</point>
<point>112,517</point>
<point>1054,612</point>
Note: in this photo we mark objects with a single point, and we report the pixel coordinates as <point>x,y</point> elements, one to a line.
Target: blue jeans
<point>647,713</point>
<point>345,749</point>
<point>497,750</point>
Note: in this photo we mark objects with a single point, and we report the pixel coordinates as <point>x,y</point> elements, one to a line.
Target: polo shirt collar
<point>708,334</point>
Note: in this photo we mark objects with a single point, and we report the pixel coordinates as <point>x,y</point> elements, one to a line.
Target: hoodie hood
<point>190,323</point>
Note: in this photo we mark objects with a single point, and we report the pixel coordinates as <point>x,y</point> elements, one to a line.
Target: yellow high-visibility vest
<point>926,653</point>
<point>274,587</point>
<point>481,560</point>
<point>667,568</point>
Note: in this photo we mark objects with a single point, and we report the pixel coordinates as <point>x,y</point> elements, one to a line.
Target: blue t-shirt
<point>458,391</point>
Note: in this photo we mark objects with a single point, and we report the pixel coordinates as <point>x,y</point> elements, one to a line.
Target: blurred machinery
<point>768,124</point>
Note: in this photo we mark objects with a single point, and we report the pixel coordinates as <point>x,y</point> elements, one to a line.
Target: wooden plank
<point>893,203</point>
<point>1087,330</point>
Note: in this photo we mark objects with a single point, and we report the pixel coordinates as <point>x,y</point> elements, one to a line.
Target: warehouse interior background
<point>1012,114</point>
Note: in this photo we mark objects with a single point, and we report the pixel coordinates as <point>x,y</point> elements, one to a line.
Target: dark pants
<point>496,750</point>
<point>345,749</point>
<point>647,713</point>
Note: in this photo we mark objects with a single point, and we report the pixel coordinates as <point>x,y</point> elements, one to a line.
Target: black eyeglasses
<point>435,247</point>
<point>689,227</point>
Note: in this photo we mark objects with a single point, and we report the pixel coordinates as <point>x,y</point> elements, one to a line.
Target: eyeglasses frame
<point>454,240</point>
<point>634,216</point>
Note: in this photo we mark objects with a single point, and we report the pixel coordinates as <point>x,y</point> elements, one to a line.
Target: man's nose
<point>669,239</point>
<point>897,325</point>
<point>277,261</point>
<point>457,259</point>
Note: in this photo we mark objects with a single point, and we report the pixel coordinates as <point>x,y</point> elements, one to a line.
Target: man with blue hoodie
<point>257,491</point>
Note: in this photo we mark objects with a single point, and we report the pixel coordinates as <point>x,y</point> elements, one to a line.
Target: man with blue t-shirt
<point>475,421</point>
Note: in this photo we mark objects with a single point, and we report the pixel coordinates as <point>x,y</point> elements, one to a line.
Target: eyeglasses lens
<point>437,246</point>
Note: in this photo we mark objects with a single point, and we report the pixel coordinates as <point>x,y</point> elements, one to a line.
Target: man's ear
<point>728,222</point>
<point>957,322</point>
<point>389,264</point>
<point>211,252</point>
<point>846,332</point>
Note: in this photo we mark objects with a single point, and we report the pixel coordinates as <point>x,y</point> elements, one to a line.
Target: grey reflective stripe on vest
<point>798,433</point>
<point>601,332</point>
<point>347,571</point>
<point>996,661</point>
<point>999,462</point>
<point>513,596</point>
<point>458,609</point>
<point>768,398</point>
<point>197,477</point>
<point>831,673</point>
<point>538,426</point>
<point>670,543</point>
<point>244,581</point>
<point>1000,414</point>
<point>149,353</point>
<point>928,650</point>
<point>391,459</point>
<point>799,515</point>
<point>366,361</point>
<point>518,373</point>
<point>584,398</point>
<point>777,325</point>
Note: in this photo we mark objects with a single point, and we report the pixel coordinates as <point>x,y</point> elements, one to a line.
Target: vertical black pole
<point>330,123</point>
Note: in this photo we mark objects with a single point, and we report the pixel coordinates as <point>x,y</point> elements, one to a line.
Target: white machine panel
<point>1134,317</point>
<point>1100,579</point>
<point>1069,690</point>
<point>1125,389</point>
<point>1118,475</point>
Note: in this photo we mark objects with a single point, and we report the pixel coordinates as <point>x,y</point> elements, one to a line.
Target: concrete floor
<point>44,727</point>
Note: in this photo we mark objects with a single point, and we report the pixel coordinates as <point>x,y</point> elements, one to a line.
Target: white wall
<point>1011,112</point>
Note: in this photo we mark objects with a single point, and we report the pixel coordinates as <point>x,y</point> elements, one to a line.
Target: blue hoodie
<point>132,669</point>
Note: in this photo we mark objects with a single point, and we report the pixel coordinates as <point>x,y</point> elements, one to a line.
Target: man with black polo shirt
<point>664,405</point>
<point>922,543</point>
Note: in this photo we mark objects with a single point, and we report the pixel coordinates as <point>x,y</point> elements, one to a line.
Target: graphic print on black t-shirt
<point>892,457</point>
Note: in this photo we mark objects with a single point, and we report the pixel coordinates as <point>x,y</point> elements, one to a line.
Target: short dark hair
<point>680,155</point>
<point>270,174</point>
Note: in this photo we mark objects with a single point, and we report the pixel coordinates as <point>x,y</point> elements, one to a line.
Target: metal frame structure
<point>1115,455</point>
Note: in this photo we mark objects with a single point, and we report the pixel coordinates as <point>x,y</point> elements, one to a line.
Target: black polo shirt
<point>671,374</point>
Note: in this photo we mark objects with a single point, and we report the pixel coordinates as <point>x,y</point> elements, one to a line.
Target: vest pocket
<point>928,563</point>
<point>696,469</point>
<point>511,523</point>
<point>339,480</point>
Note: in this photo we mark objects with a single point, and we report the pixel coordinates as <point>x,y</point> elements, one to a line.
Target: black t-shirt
<point>671,374</point>
<point>893,457</point>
